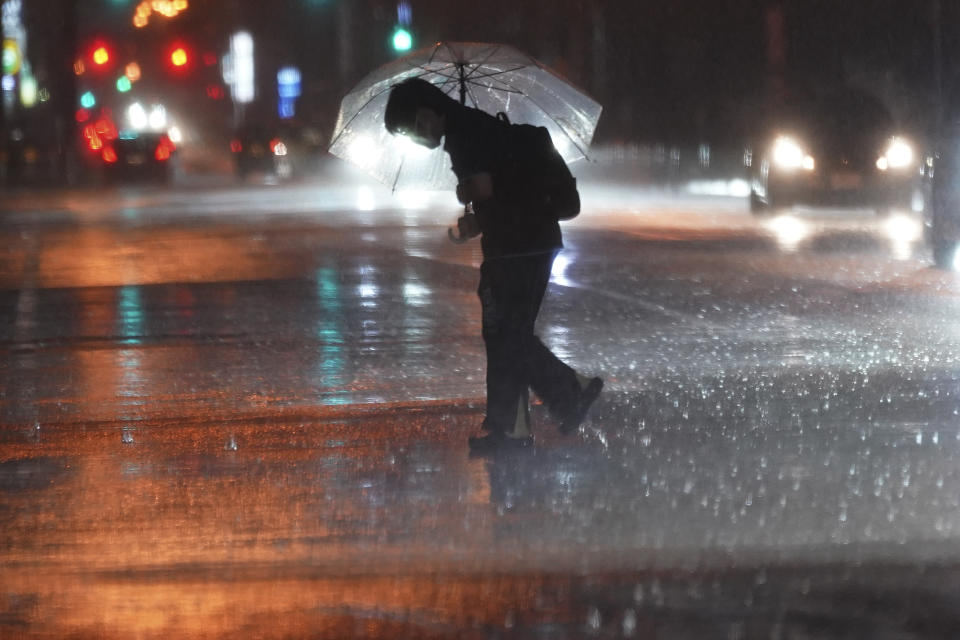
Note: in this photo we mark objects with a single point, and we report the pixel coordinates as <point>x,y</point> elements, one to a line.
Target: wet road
<point>243,412</point>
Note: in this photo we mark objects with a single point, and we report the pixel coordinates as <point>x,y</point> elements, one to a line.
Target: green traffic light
<point>123,84</point>
<point>402,40</point>
<point>87,101</point>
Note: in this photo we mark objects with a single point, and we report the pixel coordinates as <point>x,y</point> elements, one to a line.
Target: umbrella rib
<point>357,113</point>
<point>507,89</point>
<point>496,84</point>
<point>396,179</point>
<point>439,72</point>
<point>503,89</point>
<point>423,67</point>
<point>559,126</point>
<point>450,82</point>
<point>491,74</point>
<point>542,110</point>
<point>469,78</point>
<point>449,87</point>
<point>476,66</point>
<point>436,49</point>
<point>472,96</point>
<point>374,97</point>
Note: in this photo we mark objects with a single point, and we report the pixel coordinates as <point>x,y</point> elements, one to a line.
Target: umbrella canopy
<point>490,77</point>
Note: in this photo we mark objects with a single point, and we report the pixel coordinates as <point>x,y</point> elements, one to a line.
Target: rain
<point>242,358</point>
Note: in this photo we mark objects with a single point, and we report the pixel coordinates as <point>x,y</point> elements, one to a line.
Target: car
<point>256,149</point>
<point>138,156</point>
<point>837,148</point>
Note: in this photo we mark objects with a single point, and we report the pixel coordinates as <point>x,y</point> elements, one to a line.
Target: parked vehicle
<point>256,149</point>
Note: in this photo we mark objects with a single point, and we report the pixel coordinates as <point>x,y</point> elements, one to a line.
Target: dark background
<point>667,72</point>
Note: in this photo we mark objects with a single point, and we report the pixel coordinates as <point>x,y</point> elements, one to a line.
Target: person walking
<point>519,240</point>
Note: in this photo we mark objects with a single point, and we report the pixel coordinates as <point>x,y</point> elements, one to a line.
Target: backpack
<point>542,179</point>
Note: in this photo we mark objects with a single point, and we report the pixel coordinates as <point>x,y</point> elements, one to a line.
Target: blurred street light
<point>402,40</point>
<point>28,87</point>
<point>288,90</point>
<point>165,8</point>
<point>132,71</point>
<point>11,56</point>
<point>238,68</point>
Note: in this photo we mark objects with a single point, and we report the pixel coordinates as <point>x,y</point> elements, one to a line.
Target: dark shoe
<point>495,442</point>
<point>571,421</point>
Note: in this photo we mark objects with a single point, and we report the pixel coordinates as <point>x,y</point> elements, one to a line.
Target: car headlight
<point>788,154</point>
<point>899,155</point>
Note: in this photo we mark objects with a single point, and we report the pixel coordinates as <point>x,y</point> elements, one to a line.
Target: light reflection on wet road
<point>246,416</point>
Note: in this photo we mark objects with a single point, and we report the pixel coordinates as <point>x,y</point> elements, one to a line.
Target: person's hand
<point>476,188</point>
<point>468,226</point>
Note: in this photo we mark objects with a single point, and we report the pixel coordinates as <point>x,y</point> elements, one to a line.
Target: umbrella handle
<point>455,239</point>
<point>460,239</point>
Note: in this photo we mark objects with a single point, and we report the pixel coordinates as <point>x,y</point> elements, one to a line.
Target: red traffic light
<point>101,55</point>
<point>179,57</point>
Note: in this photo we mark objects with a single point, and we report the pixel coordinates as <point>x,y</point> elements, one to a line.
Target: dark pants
<point>511,290</point>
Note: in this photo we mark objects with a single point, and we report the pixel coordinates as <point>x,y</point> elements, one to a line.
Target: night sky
<point>668,70</point>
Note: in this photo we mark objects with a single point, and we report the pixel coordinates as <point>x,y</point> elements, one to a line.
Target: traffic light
<point>88,100</point>
<point>402,40</point>
<point>97,58</point>
<point>132,71</point>
<point>179,57</point>
<point>12,58</point>
<point>100,55</point>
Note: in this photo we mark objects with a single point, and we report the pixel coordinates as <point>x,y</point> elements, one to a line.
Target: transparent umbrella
<point>490,77</point>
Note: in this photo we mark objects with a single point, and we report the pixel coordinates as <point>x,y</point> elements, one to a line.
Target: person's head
<point>418,110</point>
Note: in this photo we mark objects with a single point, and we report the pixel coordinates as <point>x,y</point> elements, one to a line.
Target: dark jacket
<point>478,142</point>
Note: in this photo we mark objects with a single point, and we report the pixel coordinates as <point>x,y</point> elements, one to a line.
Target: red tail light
<point>109,155</point>
<point>93,139</point>
<point>236,146</point>
<point>106,128</point>
<point>99,133</point>
<point>164,149</point>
